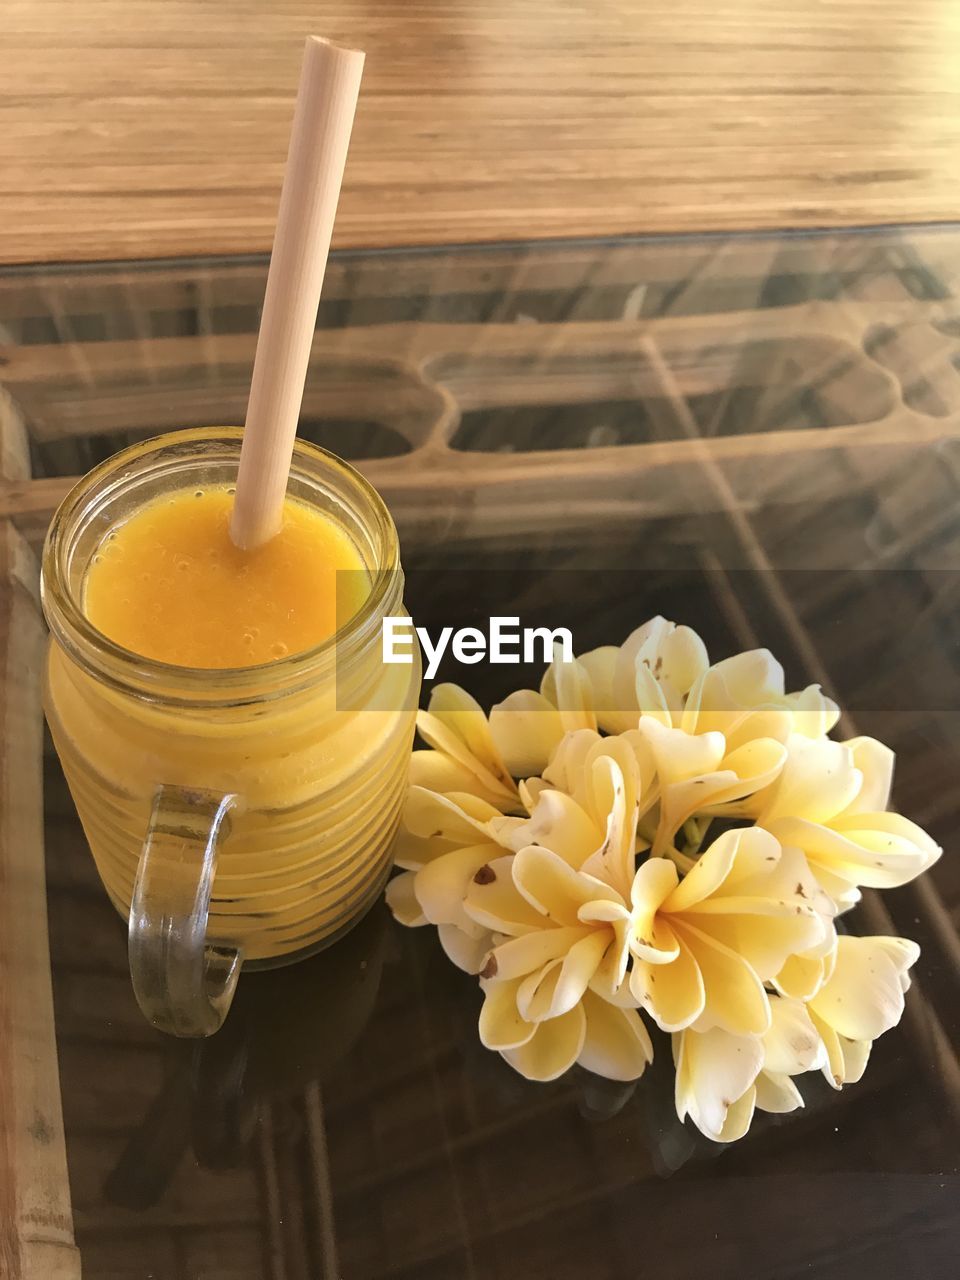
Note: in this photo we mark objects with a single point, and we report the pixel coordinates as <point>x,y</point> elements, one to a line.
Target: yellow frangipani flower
<point>744,698</point>
<point>443,841</point>
<point>603,1038</point>
<point>539,1011</point>
<point>721,1078</point>
<point>465,756</point>
<point>704,946</point>
<point>861,1000</point>
<point>521,840</point>
<point>532,725</point>
<point>653,669</point>
<point>830,801</point>
<point>605,688</point>
<point>699,774</point>
<point>586,856</point>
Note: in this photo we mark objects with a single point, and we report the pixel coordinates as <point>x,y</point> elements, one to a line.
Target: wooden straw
<point>326,102</point>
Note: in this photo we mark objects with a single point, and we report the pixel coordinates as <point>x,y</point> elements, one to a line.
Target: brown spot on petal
<point>486,875</point>
<point>799,890</point>
<point>489,969</point>
<point>436,834</point>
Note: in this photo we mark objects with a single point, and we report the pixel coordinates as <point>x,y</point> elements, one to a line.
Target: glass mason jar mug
<point>241,815</point>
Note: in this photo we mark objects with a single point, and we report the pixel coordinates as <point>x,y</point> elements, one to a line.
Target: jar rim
<point>126,669</point>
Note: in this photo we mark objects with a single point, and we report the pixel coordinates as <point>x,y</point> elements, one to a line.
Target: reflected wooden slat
<point>36,1231</point>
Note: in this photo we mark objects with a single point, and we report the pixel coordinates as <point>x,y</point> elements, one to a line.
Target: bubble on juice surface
<point>198,493</point>
<point>232,490</point>
<point>183,565</point>
<point>278,649</point>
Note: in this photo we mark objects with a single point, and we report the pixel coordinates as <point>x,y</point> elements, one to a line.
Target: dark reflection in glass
<point>756,436</point>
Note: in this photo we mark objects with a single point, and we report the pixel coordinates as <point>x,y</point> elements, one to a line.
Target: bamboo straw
<point>326,102</point>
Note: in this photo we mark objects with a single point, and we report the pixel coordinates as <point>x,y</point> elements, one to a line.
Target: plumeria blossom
<point>862,999</point>
<point>744,698</point>
<point>465,756</point>
<point>830,801</point>
<point>652,835</point>
<point>652,671</point>
<point>442,843</point>
<point>538,1004</point>
<point>703,947</point>
<point>723,1078</point>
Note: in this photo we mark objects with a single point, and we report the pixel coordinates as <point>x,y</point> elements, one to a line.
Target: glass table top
<point>757,436</point>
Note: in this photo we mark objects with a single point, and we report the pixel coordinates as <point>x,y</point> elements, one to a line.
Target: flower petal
<point>567,686</point>
<point>553,1049</point>
<point>800,977</point>
<point>777,1093</point>
<point>818,781</point>
<point>556,988</point>
<point>754,766</point>
<point>863,998</point>
<point>493,901</point>
<point>456,726</point>
<point>855,1056</point>
<point>651,938</point>
<point>613,861</point>
<point>617,1045</point>
<point>844,1060</point>
<point>566,768</point>
<point>526,730</point>
<point>529,953</point>
<point>560,824</point>
<point>716,1072</point>
<point>875,761</point>
<point>791,1045</point>
<point>438,772</point>
<point>813,713</point>
<point>888,849</point>
<point>599,665</point>
<point>734,998</point>
<point>457,817</point>
<point>402,901</point>
<point>879,850</point>
<point>763,941</point>
<point>681,756</point>
<point>501,1026</point>
<point>463,949</point>
<point>707,875</point>
<point>673,994</point>
<point>442,884</point>
<point>554,889</point>
<point>463,716</point>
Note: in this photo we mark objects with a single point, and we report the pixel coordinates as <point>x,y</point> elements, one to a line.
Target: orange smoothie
<point>169,584</point>
<point>223,686</point>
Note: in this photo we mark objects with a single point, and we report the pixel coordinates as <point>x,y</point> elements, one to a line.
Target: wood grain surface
<point>36,1228</point>
<point>134,128</point>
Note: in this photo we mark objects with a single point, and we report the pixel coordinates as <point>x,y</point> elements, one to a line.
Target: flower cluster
<point>653,834</point>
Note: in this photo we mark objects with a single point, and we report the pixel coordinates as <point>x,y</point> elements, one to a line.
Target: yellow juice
<point>170,585</point>
<point>311,746</point>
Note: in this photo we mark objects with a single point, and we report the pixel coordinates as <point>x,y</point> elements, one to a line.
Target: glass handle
<point>183,984</point>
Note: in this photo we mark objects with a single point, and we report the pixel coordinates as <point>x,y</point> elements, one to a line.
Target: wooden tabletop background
<point>132,128</point>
